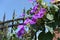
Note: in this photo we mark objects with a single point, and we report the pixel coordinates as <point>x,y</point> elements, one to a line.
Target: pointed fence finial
<point>4,17</point>
<point>24,12</point>
<point>13,17</point>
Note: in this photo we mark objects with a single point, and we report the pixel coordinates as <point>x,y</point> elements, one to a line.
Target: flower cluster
<point>34,8</point>
<point>32,0</point>
<point>33,20</point>
<point>41,12</point>
<point>41,15</point>
<point>20,30</point>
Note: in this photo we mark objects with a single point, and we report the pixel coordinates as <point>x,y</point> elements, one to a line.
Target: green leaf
<point>39,1</point>
<point>49,29</point>
<point>45,36</point>
<point>50,16</point>
<point>28,12</point>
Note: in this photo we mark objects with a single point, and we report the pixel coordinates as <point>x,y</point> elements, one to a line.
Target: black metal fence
<point>4,25</point>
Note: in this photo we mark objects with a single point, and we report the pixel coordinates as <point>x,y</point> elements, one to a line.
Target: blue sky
<point>8,6</point>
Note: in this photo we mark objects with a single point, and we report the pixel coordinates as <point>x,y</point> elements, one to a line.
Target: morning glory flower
<point>42,10</point>
<point>35,16</point>
<point>29,21</point>
<point>32,22</point>
<point>34,8</point>
<point>22,15</point>
<point>32,1</point>
<point>32,11</point>
<point>41,13</point>
<point>20,30</point>
<point>52,1</point>
<point>33,19</point>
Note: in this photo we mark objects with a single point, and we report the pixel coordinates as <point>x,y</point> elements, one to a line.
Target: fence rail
<point>11,20</point>
<point>11,25</point>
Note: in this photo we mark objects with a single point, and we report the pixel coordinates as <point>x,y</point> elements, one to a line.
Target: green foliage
<point>14,37</point>
<point>45,36</point>
<point>28,11</point>
<point>39,1</point>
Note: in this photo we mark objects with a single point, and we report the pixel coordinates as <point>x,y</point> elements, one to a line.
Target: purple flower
<point>32,0</point>
<point>32,11</point>
<point>20,26</point>
<point>40,15</point>
<point>29,21</point>
<point>20,30</point>
<point>42,10</point>
<point>23,14</point>
<point>33,19</point>
<point>52,1</point>
<point>34,8</point>
<point>32,22</point>
<point>35,16</point>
